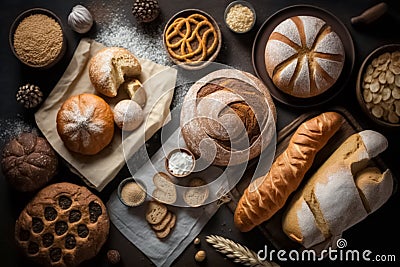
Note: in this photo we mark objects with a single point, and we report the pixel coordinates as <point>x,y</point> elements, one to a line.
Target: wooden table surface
<point>373,233</point>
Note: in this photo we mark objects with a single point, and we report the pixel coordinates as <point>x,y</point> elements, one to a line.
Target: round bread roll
<point>228,117</point>
<point>63,225</point>
<point>85,124</point>
<point>304,57</point>
<point>128,115</point>
<point>28,162</point>
<point>109,68</point>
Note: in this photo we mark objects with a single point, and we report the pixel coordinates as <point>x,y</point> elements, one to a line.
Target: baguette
<point>341,193</point>
<point>267,194</point>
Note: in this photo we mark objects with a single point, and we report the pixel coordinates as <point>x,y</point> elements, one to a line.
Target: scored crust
<point>63,225</point>
<point>85,123</point>
<point>228,112</point>
<point>304,57</point>
<point>28,162</point>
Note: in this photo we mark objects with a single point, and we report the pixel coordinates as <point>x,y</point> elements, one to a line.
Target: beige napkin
<point>98,170</point>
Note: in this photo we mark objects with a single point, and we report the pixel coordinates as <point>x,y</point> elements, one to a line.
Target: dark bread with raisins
<point>63,225</point>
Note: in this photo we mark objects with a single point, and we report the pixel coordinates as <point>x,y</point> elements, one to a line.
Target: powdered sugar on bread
<point>109,67</point>
<point>85,123</point>
<point>277,53</point>
<point>80,124</point>
<point>288,28</point>
<point>341,193</point>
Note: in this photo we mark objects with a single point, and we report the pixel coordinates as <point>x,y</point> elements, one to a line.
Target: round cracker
<point>165,232</point>
<point>156,212</point>
<point>164,223</point>
<point>195,196</point>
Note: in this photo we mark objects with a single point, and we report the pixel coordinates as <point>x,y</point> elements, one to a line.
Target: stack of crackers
<point>161,219</point>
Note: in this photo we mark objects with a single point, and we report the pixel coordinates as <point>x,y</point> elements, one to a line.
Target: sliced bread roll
<point>341,193</point>
<point>304,57</point>
<point>165,191</point>
<point>109,68</point>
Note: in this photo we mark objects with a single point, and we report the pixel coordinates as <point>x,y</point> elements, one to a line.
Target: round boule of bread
<point>227,117</point>
<point>63,225</point>
<point>304,57</point>
<point>85,123</point>
<point>28,162</point>
<point>109,68</point>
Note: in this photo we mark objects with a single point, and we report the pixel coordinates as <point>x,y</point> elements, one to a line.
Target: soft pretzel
<point>188,32</point>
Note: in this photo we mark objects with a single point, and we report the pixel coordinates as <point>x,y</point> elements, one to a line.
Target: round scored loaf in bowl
<point>109,68</point>
<point>304,57</point>
<point>227,117</point>
<point>63,225</point>
<point>85,123</point>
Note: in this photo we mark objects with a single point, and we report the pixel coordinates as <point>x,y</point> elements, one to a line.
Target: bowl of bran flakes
<point>37,38</point>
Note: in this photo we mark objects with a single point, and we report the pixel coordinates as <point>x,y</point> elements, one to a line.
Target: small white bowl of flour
<point>180,162</point>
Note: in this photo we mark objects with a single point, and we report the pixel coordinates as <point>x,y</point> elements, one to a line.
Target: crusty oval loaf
<point>109,68</point>
<point>303,56</point>
<point>267,194</point>
<point>228,117</point>
<point>341,193</point>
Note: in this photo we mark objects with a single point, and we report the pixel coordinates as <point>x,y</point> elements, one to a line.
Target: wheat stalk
<point>237,252</point>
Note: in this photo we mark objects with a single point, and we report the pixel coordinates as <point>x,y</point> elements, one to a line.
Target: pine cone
<point>145,10</point>
<point>29,95</point>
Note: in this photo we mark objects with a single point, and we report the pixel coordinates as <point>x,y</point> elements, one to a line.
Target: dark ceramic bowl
<point>210,58</point>
<point>360,77</point>
<point>15,25</point>
<point>123,183</point>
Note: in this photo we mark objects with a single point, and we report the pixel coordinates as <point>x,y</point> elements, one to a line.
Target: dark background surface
<point>374,233</point>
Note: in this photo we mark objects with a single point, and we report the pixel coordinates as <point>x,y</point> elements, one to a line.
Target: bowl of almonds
<point>378,85</point>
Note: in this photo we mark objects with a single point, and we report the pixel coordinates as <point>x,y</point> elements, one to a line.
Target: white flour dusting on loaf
<point>80,123</point>
<point>106,68</point>
<point>317,50</point>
